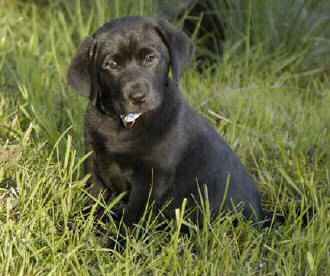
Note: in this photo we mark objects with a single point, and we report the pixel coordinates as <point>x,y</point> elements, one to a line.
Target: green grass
<point>266,98</point>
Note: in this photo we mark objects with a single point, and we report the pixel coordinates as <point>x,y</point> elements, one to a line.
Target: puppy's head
<point>124,66</point>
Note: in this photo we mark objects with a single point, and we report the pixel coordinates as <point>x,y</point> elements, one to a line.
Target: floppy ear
<point>81,74</point>
<point>180,47</point>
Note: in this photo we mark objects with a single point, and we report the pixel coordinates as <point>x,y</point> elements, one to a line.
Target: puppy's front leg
<point>146,188</point>
<point>138,199</point>
<point>95,186</point>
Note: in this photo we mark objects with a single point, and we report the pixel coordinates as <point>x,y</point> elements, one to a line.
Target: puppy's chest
<point>115,176</point>
<point>116,143</point>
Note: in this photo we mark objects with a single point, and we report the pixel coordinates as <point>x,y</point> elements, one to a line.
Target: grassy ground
<point>268,100</point>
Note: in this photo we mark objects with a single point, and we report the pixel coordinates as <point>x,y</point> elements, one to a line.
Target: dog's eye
<point>149,58</point>
<point>110,64</point>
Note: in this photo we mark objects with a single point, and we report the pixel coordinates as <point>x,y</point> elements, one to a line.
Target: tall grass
<point>295,34</point>
<point>265,96</point>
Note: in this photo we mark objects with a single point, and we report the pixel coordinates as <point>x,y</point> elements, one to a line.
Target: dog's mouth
<point>128,120</point>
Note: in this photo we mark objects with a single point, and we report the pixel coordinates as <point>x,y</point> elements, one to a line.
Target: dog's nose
<point>138,97</point>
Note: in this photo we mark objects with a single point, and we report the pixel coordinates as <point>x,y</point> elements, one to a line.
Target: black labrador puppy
<point>145,138</point>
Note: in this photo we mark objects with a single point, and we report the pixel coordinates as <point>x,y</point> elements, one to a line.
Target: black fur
<point>171,152</point>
